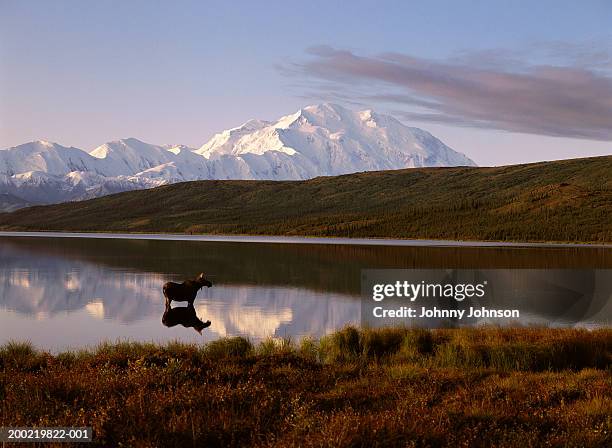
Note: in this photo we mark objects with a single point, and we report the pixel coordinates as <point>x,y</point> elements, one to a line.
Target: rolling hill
<point>567,200</point>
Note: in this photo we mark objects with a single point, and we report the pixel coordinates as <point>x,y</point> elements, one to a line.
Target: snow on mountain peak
<point>176,149</point>
<point>328,139</point>
<point>317,140</point>
<point>223,142</point>
<point>45,143</point>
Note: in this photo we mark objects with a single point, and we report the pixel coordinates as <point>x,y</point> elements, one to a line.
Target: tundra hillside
<point>394,387</point>
<point>567,200</point>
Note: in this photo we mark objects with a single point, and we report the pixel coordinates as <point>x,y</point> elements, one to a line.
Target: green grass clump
<point>343,345</point>
<point>16,351</point>
<point>275,346</point>
<point>21,355</point>
<point>309,349</point>
<point>376,344</point>
<point>416,344</point>
<point>228,347</point>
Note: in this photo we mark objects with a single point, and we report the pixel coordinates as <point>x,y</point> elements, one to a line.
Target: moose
<point>184,315</point>
<point>186,291</point>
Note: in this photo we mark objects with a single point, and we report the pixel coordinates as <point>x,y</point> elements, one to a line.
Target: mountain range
<point>318,140</point>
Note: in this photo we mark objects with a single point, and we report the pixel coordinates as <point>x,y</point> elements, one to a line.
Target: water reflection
<point>77,302</point>
<point>185,316</point>
<point>62,293</point>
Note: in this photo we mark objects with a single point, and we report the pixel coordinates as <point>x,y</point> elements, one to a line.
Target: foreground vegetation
<point>567,200</point>
<point>394,387</point>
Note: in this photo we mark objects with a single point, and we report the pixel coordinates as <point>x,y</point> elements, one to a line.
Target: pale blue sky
<point>81,73</point>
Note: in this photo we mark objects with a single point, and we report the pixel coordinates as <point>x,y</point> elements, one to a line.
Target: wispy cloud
<point>494,89</point>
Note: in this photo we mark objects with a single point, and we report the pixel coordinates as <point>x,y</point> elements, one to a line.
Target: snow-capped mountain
<point>319,140</point>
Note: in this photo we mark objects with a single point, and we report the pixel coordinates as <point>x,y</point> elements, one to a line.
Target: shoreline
<point>273,239</point>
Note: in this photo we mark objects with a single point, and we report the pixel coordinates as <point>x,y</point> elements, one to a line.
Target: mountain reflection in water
<point>61,293</point>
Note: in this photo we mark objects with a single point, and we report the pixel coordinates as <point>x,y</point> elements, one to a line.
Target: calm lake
<point>63,293</point>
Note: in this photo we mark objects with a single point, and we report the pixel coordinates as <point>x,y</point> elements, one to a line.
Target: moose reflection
<point>184,292</point>
<point>184,315</point>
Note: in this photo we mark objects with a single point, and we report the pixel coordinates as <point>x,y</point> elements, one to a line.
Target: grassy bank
<point>567,200</point>
<point>397,387</point>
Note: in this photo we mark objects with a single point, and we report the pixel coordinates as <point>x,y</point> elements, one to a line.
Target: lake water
<point>63,293</point>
